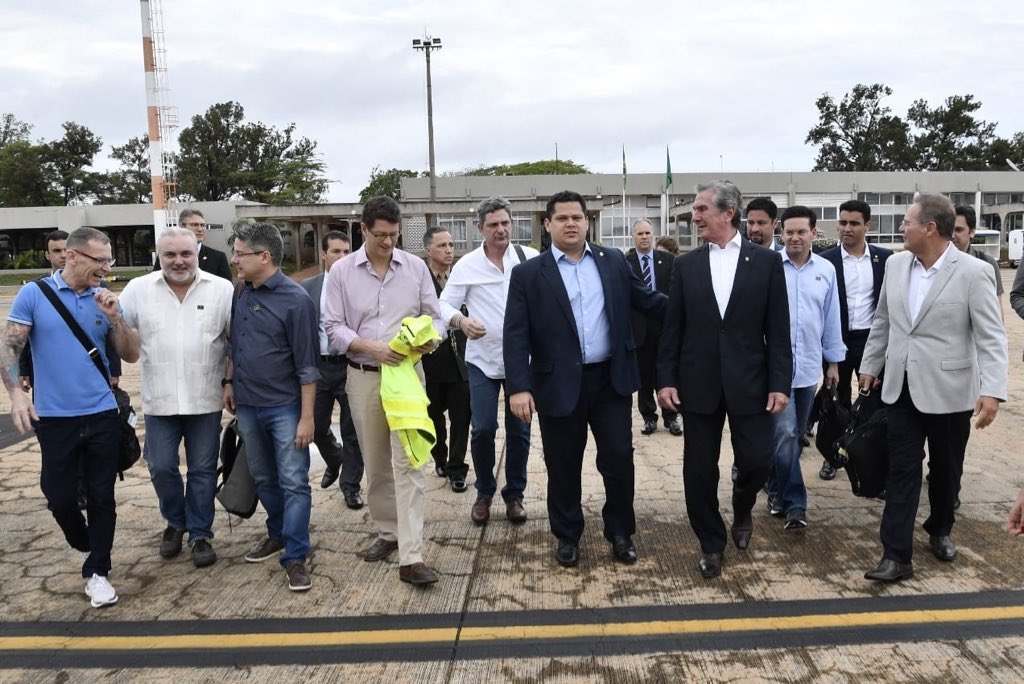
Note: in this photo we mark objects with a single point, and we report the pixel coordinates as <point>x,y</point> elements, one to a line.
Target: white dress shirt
<point>649,256</point>
<point>723,269</point>
<point>921,280</point>
<point>860,294</point>
<point>483,288</point>
<point>183,342</point>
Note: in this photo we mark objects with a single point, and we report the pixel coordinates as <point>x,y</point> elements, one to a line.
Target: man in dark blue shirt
<point>271,385</point>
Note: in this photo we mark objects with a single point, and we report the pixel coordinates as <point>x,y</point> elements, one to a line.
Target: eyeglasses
<point>244,254</point>
<point>381,237</point>
<point>195,225</point>
<point>101,262</point>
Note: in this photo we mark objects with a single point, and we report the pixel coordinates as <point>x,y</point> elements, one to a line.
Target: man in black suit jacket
<point>860,268</point>
<point>345,459</point>
<point>210,260</point>
<point>654,268</point>
<point>569,355</point>
<point>725,351</point>
<point>447,378</point>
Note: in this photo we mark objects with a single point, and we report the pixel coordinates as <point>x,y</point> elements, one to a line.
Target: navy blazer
<point>878,258</point>
<point>541,345</point>
<point>645,330</point>
<point>740,357</point>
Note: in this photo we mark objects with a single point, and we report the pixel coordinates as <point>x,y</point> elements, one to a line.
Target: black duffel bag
<point>863,449</point>
<point>832,419</point>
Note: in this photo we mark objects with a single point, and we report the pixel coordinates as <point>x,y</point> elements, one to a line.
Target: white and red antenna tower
<point>162,118</point>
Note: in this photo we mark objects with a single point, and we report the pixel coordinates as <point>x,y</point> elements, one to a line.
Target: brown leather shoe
<point>515,512</point>
<point>418,573</point>
<point>481,511</point>
<point>381,549</point>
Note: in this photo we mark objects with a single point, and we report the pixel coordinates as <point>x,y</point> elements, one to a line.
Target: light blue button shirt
<point>814,327</point>
<point>586,297</point>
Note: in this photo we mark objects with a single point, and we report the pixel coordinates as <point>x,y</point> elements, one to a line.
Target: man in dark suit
<point>725,351</point>
<point>654,268</point>
<point>860,268</point>
<point>210,260</point>
<point>569,356</point>
<point>447,379</point>
<point>343,459</point>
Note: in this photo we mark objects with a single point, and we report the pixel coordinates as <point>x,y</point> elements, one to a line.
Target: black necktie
<point>645,270</point>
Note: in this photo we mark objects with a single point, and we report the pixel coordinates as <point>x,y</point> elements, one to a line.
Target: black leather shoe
<point>710,565</point>
<point>458,486</point>
<point>440,471</point>
<point>623,550</point>
<point>890,571</point>
<point>330,477</point>
<point>354,501</point>
<point>943,547</point>
<point>741,532</point>
<point>675,427</point>
<point>650,426</point>
<point>568,553</point>
<point>827,472</point>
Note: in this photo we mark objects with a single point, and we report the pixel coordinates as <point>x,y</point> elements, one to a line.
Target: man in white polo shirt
<point>480,281</point>
<point>183,316</point>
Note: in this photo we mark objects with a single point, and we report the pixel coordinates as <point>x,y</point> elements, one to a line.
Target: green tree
<point>224,157</point>
<point>131,183</point>
<point>68,160</point>
<point>23,178</point>
<point>1002,150</point>
<point>11,129</point>
<point>860,133</point>
<point>387,183</point>
<point>544,167</point>
<point>949,137</point>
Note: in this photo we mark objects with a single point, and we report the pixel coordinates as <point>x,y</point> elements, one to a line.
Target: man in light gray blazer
<point>938,334</point>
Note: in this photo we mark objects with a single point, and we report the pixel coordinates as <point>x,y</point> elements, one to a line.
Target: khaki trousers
<point>396,492</point>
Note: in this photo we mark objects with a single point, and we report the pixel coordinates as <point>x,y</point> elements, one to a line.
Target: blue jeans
<point>483,402</point>
<point>281,473</point>
<point>190,506</point>
<point>786,482</point>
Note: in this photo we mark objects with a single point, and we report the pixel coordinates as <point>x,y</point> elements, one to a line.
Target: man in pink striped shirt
<point>368,293</point>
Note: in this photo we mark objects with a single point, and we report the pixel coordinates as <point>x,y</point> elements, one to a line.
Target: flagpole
<point>625,224</point>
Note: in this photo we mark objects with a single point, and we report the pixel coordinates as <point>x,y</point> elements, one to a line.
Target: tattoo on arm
<point>15,339</point>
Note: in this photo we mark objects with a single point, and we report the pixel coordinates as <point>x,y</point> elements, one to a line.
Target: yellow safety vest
<point>402,394</point>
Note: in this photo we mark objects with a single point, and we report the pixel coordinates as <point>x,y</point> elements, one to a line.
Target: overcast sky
<point>725,85</point>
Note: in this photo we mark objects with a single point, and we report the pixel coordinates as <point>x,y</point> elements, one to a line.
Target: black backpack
<point>863,449</point>
<point>832,419</point>
<point>236,490</point>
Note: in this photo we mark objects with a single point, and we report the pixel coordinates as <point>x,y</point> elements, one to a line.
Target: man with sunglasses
<point>77,423</point>
<point>369,292</point>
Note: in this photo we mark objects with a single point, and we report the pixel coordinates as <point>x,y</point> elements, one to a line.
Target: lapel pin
<point>746,258</point>
<point>601,253</point>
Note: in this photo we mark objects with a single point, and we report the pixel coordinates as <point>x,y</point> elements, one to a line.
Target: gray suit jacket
<point>954,352</point>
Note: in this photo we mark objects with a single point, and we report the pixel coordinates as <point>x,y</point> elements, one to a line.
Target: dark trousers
<point>947,435</point>
<point>855,340</point>
<point>646,358</point>
<point>752,448</point>
<point>346,455</point>
<point>92,443</point>
<point>609,416</point>
<point>449,451</point>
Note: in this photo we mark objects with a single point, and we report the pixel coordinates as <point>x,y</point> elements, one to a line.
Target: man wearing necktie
<point>654,268</point>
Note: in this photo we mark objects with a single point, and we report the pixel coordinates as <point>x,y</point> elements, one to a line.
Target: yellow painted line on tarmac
<point>419,637</point>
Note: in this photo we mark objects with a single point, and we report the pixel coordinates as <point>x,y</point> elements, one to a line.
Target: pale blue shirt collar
<point>558,254</point>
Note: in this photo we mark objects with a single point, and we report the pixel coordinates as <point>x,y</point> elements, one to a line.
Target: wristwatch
<point>224,382</point>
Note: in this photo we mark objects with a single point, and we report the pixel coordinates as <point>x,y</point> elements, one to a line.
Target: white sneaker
<point>99,590</point>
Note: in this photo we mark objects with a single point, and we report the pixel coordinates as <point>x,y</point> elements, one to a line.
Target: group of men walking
<point>739,328</point>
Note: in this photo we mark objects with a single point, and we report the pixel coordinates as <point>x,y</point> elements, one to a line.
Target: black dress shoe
<point>458,486</point>
<point>890,571</point>
<point>943,547</point>
<point>710,565</point>
<point>330,477</point>
<point>353,501</point>
<point>649,427</point>
<point>440,471</point>
<point>623,550</point>
<point>827,472</point>
<point>568,553</point>
<point>675,427</point>
<point>741,532</point>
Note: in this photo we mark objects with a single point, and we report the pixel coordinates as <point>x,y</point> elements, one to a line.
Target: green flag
<point>623,167</point>
<point>668,170</point>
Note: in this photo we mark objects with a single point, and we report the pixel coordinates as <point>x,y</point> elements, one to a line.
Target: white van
<point>1016,247</point>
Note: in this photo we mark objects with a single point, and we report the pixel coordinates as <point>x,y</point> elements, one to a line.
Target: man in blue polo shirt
<point>76,423</point>
<point>271,384</point>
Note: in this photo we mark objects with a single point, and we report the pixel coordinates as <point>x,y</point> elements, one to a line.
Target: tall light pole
<point>427,44</point>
